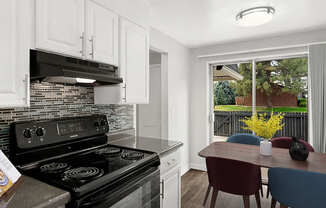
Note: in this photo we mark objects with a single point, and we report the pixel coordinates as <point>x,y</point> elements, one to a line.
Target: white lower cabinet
<point>171,180</point>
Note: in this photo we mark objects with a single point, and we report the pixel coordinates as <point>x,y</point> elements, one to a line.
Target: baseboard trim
<point>197,166</point>
<point>184,170</point>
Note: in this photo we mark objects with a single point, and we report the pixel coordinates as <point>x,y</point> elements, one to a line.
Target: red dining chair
<point>234,177</point>
<point>285,143</point>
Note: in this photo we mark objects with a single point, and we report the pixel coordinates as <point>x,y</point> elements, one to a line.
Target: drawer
<point>169,160</point>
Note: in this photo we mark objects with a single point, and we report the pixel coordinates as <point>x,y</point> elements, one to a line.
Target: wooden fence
<point>228,123</point>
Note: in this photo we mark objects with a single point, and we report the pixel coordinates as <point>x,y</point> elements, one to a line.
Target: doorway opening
<point>152,118</point>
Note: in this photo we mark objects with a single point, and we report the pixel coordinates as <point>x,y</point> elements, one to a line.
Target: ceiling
<point>203,22</point>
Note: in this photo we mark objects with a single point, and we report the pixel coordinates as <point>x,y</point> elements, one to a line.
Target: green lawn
<point>248,108</point>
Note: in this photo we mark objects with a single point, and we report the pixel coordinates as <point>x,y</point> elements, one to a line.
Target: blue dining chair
<point>297,188</point>
<point>244,139</point>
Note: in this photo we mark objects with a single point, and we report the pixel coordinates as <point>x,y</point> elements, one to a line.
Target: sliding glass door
<point>263,87</point>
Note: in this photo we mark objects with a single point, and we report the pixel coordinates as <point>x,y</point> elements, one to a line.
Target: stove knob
<point>96,124</point>
<point>27,133</point>
<point>40,132</point>
<point>103,123</point>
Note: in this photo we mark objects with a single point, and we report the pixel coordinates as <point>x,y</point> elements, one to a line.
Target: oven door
<point>141,190</point>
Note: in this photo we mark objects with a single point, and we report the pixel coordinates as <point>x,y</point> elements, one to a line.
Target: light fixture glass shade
<point>255,16</point>
<point>82,80</point>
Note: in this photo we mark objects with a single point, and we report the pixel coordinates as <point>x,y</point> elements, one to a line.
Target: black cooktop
<point>73,154</point>
<point>86,170</point>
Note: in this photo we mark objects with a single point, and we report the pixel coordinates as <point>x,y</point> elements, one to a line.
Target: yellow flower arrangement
<point>262,126</point>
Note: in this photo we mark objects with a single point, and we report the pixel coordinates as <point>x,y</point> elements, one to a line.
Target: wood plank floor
<point>193,188</point>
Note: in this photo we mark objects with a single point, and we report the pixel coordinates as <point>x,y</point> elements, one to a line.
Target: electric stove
<point>73,154</point>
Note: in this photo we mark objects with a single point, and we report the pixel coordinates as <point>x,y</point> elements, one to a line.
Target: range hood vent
<point>55,68</point>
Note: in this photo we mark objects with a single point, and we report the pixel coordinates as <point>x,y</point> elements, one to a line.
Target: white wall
<point>199,102</point>
<point>178,91</point>
<point>271,43</point>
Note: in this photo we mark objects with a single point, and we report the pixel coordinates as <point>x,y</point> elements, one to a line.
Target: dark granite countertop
<point>31,193</point>
<point>160,146</point>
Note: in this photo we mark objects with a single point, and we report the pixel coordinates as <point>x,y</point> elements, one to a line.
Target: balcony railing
<point>228,123</point>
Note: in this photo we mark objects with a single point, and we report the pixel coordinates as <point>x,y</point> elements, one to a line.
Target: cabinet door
<point>59,26</point>
<point>171,189</point>
<point>14,54</point>
<point>134,56</point>
<point>102,33</point>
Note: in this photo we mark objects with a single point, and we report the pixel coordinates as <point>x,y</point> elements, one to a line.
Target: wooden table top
<point>316,162</point>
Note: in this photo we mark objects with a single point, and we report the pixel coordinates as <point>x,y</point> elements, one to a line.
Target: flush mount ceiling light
<point>255,16</point>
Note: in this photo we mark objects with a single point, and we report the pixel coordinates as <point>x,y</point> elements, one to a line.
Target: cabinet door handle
<point>82,37</point>
<point>125,89</point>
<point>92,41</point>
<point>162,194</point>
<point>26,81</point>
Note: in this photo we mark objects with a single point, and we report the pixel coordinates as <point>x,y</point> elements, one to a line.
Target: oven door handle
<point>131,185</point>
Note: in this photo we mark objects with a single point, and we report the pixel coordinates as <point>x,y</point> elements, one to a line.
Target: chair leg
<point>267,194</point>
<point>283,206</point>
<point>262,191</point>
<point>214,196</point>
<point>273,203</point>
<point>246,201</point>
<point>257,196</point>
<point>207,193</point>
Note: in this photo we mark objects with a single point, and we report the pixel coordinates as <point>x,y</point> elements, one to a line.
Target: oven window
<point>139,192</point>
<point>137,199</point>
<point>146,196</point>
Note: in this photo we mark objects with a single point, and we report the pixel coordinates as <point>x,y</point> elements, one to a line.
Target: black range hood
<point>55,68</point>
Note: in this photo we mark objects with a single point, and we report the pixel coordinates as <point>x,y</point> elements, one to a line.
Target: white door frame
<point>211,115</point>
<point>164,96</point>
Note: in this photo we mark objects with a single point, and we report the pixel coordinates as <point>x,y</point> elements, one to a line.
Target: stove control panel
<point>39,133</point>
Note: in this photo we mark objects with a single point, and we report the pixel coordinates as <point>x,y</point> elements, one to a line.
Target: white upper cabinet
<point>137,11</point>
<point>134,62</point>
<point>14,53</point>
<point>60,26</point>
<point>79,28</point>
<point>102,27</point>
<point>134,68</point>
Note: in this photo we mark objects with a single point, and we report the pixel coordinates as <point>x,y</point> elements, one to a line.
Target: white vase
<point>266,148</point>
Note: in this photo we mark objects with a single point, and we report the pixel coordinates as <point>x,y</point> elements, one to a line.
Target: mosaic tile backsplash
<point>50,101</point>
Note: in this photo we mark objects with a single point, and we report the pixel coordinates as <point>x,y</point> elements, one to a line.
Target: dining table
<point>316,162</point>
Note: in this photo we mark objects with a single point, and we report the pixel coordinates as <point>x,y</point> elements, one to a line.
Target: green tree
<point>288,73</point>
<point>223,94</point>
